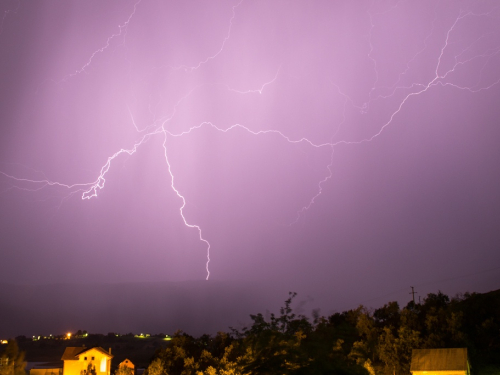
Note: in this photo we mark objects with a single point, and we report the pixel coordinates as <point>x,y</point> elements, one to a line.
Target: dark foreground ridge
<point>357,342</point>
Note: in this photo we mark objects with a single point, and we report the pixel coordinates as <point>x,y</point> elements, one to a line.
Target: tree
<point>89,371</point>
<point>290,344</point>
<point>156,368</point>
<point>13,360</point>
<point>227,364</point>
<point>395,352</point>
<point>369,336</point>
<point>388,315</point>
<point>274,346</point>
<point>124,370</point>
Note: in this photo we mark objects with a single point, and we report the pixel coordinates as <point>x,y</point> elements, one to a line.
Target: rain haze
<point>169,164</point>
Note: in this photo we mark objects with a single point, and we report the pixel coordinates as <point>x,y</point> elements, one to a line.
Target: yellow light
<point>69,335</point>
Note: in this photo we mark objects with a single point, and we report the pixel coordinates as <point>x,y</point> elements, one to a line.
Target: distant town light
<point>69,335</point>
<point>4,342</point>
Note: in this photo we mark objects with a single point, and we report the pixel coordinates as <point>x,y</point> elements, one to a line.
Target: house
<point>440,362</point>
<point>127,364</point>
<point>86,361</point>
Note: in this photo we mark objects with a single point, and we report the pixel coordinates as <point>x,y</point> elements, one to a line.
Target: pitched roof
<point>126,362</point>
<point>73,352</point>
<point>439,359</point>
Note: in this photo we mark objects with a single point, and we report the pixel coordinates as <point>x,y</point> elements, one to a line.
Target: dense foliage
<point>354,342</point>
<point>357,342</point>
<point>12,360</point>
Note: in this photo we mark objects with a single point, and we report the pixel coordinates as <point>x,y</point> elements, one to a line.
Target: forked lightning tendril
<point>160,127</point>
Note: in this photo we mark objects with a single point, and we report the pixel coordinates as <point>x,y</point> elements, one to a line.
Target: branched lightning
<point>122,30</point>
<point>223,44</point>
<point>160,126</point>
<point>438,79</point>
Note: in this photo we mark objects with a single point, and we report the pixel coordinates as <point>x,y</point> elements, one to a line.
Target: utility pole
<point>413,293</point>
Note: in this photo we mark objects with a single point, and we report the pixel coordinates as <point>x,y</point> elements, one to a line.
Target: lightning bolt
<point>122,31</point>
<point>219,51</point>
<point>441,77</point>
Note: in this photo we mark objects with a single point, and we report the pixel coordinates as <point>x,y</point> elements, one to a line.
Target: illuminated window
<point>103,365</point>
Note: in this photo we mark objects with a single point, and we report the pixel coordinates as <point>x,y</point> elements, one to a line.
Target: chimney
<point>109,351</point>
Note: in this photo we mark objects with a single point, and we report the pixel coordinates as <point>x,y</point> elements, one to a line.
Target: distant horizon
<point>174,311</point>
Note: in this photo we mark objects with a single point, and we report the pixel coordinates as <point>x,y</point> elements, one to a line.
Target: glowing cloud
<point>178,85</point>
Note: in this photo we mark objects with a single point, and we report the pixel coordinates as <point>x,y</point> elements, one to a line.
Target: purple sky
<point>345,150</point>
